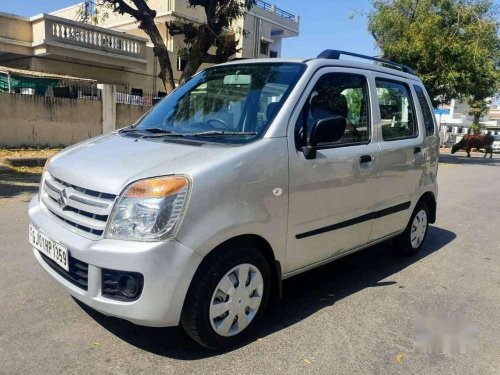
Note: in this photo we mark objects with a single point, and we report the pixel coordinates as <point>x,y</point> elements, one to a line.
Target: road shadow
<point>303,295</point>
<point>461,158</point>
<point>13,184</point>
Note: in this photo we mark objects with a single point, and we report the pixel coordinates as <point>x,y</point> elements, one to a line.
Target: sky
<point>324,24</point>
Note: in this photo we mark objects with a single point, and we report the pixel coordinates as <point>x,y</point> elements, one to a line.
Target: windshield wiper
<point>217,133</point>
<point>152,132</point>
<point>166,133</point>
<point>160,132</point>
<point>128,129</point>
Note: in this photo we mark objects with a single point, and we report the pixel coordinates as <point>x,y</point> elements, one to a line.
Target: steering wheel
<point>224,124</point>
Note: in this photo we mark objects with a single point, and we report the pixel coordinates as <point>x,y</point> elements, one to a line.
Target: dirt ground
<point>20,180</point>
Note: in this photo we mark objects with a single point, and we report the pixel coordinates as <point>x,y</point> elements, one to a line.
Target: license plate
<point>52,249</point>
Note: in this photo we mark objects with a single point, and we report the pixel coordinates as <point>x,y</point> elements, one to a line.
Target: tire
<point>207,293</point>
<point>414,231</point>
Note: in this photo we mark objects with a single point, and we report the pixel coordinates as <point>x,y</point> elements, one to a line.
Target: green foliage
<point>94,12</point>
<point>478,108</point>
<point>201,38</point>
<point>453,45</point>
<point>355,98</point>
<point>477,128</point>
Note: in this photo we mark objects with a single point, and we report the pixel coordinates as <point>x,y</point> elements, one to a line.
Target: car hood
<point>110,162</point>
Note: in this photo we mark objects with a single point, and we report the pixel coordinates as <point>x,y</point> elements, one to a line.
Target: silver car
<point>496,143</point>
<point>249,173</point>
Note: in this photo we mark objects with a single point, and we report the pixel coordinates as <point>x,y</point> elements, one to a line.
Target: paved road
<point>356,315</point>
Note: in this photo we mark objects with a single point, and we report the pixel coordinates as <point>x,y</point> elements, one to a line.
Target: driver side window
<point>343,95</point>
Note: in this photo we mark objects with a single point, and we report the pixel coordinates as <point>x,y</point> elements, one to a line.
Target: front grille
<point>78,271</point>
<point>85,210</point>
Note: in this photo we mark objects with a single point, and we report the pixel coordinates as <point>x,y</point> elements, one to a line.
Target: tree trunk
<point>146,17</point>
<point>197,56</point>
<point>476,119</point>
<point>160,50</point>
<point>166,73</point>
<point>191,67</point>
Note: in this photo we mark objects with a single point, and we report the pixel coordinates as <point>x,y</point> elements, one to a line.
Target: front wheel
<point>411,240</point>
<point>227,296</point>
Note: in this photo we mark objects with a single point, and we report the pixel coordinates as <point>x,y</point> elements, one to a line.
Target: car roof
<point>316,63</point>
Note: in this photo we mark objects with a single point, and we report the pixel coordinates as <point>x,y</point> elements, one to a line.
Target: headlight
<point>44,175</point>
<point>149,210</point>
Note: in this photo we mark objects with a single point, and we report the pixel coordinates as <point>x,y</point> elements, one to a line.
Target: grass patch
<point>6,153</point>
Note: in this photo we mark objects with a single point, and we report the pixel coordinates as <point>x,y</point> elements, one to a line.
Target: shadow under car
<point>330,283</point>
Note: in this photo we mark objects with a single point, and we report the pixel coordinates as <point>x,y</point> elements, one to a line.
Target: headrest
<point>335,104</point>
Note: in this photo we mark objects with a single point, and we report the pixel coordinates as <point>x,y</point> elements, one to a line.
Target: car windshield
<point>231,104</point>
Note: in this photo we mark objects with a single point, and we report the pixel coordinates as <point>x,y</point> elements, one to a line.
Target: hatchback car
<point>249,173</point>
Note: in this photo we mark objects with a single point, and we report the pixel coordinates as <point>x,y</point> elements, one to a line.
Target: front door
<point>330,198</point>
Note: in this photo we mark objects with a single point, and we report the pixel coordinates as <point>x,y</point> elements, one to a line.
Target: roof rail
<point>335,55</point>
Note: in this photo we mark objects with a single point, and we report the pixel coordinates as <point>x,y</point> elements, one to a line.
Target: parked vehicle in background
<point>251,172</point>
<point>496,143</point>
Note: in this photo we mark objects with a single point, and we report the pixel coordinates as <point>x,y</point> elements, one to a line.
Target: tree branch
<point>146,18</point>
<point>122,7</point>
<point>208,58</point>
<point>143,7</point>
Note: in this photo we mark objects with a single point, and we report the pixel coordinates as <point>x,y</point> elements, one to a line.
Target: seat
<point>271,110</point>
<point>323,107</point>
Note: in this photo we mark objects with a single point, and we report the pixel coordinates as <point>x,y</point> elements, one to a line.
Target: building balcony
<point>284,24</point>
<point>48,35</point>
<point>279,18</point>
<point>271,8</point>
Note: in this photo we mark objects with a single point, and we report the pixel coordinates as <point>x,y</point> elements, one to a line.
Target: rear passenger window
<point>396,110</point>
<point>337,95</point>
<point>426,111</point>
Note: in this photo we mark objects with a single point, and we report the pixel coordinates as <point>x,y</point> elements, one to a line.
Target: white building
<point>117,52</point>
<point>455,121</point>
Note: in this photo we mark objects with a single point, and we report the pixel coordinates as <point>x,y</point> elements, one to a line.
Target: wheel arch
<point>430,199</point>
<point>263,246</point>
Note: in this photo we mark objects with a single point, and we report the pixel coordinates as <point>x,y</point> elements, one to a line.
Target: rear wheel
<point>227,297</point>
<point>411,240</point>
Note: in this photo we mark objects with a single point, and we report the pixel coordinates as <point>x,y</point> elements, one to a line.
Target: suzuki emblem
<point>63,199</point>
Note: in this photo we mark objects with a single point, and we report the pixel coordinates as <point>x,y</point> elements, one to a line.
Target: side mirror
<point>326,130</point>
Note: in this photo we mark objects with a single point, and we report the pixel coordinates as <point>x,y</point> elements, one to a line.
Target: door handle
<point>365,159</point>
<point>416,150</point>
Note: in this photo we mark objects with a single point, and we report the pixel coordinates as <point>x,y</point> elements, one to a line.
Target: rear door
<point>401,162</point>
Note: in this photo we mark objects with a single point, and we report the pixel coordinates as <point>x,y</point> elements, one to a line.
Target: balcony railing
<point>279,12</point>
<point>92,37</point>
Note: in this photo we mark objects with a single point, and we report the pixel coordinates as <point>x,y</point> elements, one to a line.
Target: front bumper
<point>168,268</point>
